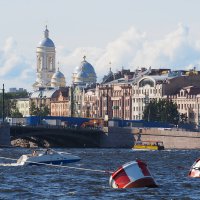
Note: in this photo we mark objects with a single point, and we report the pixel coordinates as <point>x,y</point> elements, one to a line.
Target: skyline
<point>128,34</point>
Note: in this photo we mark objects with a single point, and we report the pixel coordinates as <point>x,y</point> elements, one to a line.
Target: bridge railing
<point>56,126</point>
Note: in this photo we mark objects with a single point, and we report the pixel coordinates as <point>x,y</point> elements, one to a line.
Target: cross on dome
<point>46,32</point>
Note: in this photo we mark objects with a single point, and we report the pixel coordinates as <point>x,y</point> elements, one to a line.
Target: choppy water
<point>169,168</point>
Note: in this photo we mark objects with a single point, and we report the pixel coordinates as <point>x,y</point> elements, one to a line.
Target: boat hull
<point>195,169</point>
<point>148,147</point>
<point>56,162</point>
<point>52,157</point>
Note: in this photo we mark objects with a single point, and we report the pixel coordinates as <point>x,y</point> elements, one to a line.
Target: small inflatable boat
<point>49,156</point>
<point>195,169</point>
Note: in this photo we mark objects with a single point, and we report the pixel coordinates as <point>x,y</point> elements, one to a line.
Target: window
<point>146,81</point>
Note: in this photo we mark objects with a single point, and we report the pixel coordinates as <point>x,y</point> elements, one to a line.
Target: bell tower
<point>46,58</point>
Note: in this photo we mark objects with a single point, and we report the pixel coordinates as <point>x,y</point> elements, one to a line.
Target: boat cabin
<point>151,145</point>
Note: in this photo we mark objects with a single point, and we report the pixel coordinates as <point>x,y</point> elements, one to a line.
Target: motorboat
<point>148,145</point>
<point>48,156</point>
<point>195,169</point>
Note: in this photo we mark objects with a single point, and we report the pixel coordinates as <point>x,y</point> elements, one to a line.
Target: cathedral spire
<point>46,32</point>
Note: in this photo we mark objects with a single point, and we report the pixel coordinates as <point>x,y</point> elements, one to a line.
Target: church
<point>48,77</point>
<point>50,87</point>
<point>46,74</point>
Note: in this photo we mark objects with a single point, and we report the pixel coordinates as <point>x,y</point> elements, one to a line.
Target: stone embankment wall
<point>117,138</point>
<point>172,138</point>
<point>4,135</point>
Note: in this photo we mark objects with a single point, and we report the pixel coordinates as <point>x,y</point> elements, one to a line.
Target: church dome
<point>58,79</point>
<point>46,42</point>
<point>85,73</point>
<point>82,74</point>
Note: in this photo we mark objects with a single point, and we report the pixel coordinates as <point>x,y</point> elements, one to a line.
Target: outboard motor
<point>134,174</point>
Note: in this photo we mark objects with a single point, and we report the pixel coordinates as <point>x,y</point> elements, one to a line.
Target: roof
<point>46,42</point>
<point>47,93</point>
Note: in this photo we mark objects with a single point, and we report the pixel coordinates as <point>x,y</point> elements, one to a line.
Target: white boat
<point>47,157</point>
<point>195,169</point>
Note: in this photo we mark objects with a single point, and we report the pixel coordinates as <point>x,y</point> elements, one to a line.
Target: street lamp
<point>72,99</point>
<point>198,115</point>
<point>146,101</point>
<point>3,105</point>
<point>107,111</point>
<point>41,105</point>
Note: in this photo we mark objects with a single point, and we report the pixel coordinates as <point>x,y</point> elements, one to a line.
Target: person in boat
<point>48,151</point>
<point>34,153</point>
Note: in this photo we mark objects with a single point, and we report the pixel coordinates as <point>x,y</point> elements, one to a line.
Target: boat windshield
<point>149,143</point>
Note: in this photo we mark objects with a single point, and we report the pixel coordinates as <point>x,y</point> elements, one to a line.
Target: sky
<point>112,34</point>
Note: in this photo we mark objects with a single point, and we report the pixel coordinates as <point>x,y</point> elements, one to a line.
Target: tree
<point>16,113</point>
<point>183,118</point>
<point>42,111</point>
<point>161,111</point>
<point>33,109</point>
<point>10,103</point>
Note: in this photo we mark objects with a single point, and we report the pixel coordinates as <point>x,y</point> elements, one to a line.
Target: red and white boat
<point>195,169</point>
<point>133,174</point>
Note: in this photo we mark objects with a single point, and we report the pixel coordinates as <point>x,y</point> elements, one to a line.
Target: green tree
<point>42,111</point>
<point>33,109</point>
<point>16,113</point>
<point>183,118</point>
<point>161,111</point>
<point>10,103</point>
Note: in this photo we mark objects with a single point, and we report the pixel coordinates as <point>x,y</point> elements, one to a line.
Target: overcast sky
<point>127,33</point>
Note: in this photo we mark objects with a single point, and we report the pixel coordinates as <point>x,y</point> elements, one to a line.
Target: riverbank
<point>113,137</point>
<point>172,138</point>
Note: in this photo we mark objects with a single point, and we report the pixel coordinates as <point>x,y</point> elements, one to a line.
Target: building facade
<point>60,104</point>
<point>23,106</point>
<point>187,100</point>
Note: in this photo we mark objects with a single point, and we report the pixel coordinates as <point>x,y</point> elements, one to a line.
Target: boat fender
<point>134,174</point>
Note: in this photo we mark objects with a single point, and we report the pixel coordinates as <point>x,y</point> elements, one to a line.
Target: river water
<point>169,168</point>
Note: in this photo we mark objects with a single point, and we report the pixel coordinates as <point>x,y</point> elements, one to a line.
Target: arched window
<point>146,81</point>
<point>51,63</point>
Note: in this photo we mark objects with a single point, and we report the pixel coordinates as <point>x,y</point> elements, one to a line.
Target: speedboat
<point>49,156</point>
<point>195,169</point>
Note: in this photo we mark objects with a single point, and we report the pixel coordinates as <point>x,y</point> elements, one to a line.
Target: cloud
<point>15,70</point>
<point>175,51</point>
<point>132,49</point>
<point>122,50</point>
<point>70,60</point>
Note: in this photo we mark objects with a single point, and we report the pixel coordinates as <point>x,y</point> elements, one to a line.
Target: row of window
<point>62,106</point>
<point>144,91</point>
<point>24,105</point>
<point>185,106</point>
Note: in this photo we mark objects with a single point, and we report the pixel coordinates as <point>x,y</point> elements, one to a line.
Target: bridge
<point>54,136</point>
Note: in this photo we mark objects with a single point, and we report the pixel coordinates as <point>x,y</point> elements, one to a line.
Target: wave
<point>10,164</point>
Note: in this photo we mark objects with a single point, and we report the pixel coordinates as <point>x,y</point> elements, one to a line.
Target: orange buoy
<point>133,174</point>
<point>195,169</point>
